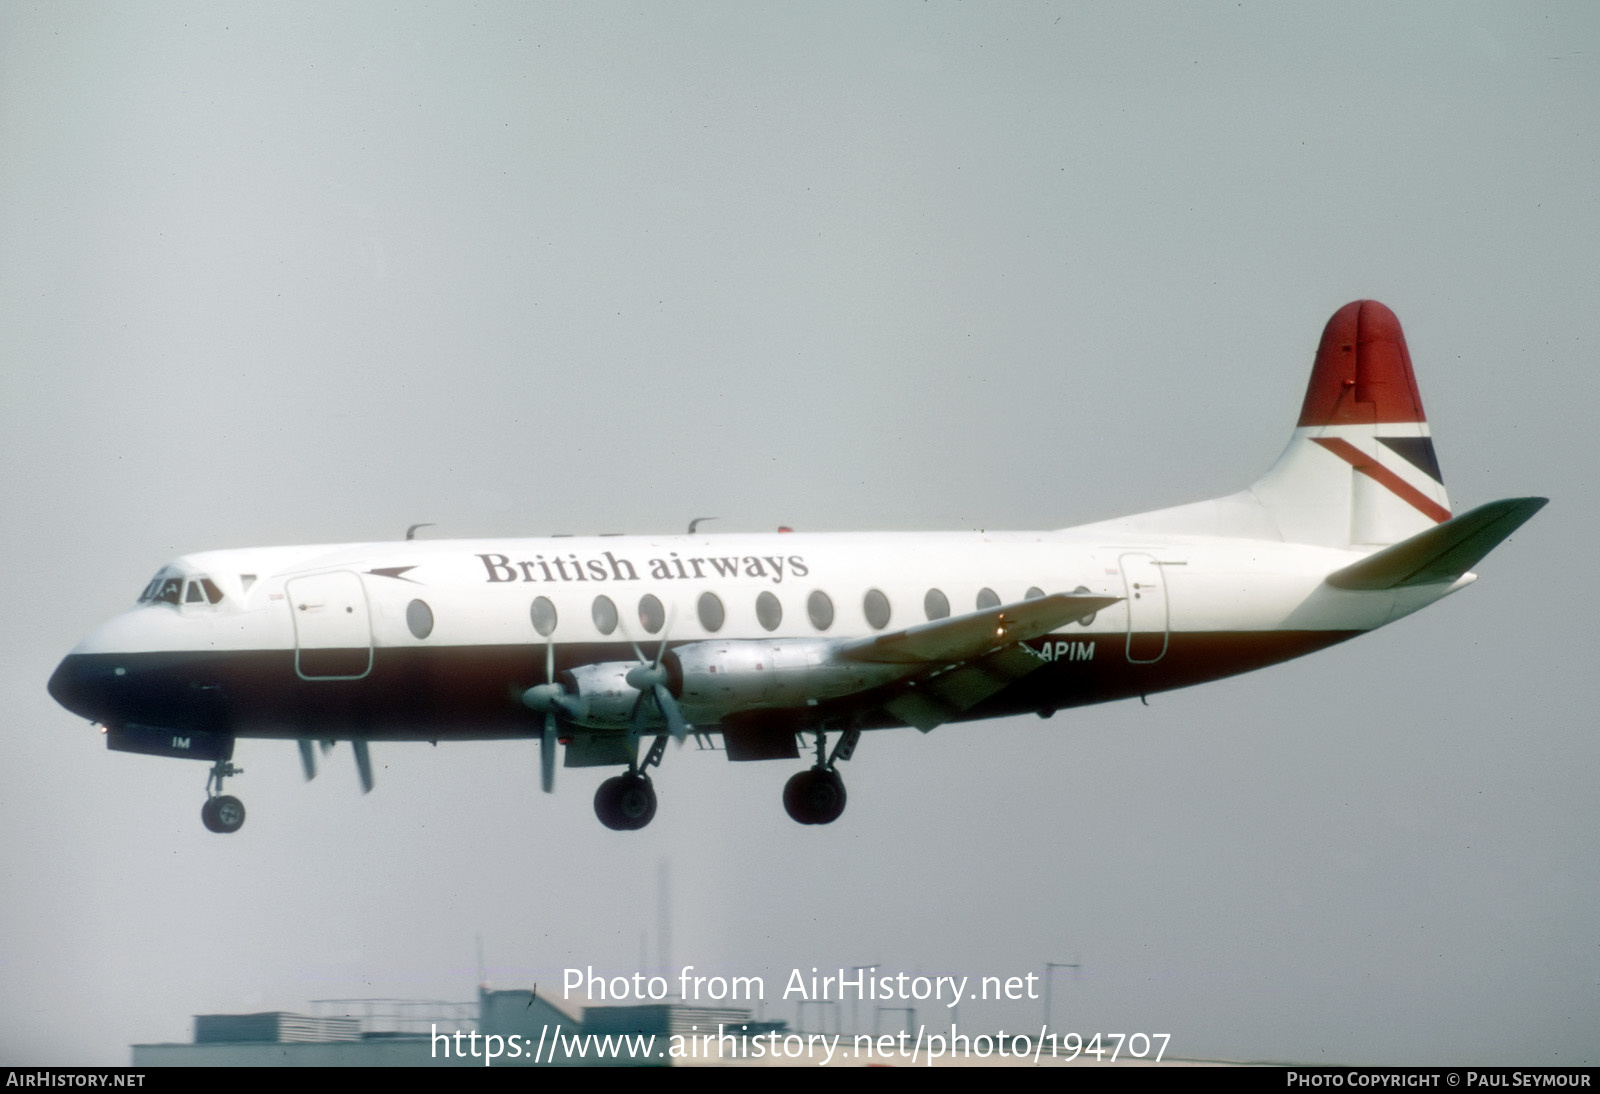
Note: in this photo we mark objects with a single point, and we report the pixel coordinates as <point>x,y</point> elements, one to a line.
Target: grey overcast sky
<point>295,273</point>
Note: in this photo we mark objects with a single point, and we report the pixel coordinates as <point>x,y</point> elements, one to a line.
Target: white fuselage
<point>1189,608</point>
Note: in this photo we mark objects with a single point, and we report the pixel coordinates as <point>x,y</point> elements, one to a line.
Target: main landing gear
<point>628,802</point>
<point>222,812</point>
<point>817,796</point>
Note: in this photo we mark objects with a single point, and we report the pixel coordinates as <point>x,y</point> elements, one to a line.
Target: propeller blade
<point>363,765</point>
<point>649,679</point>
<point>308,758</point>
<point>636,718</point>
<point>547,753</point>
<point>669,710</point>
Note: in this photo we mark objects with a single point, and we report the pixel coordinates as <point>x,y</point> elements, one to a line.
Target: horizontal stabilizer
<point>966,636</point>
<point>1442,553</point>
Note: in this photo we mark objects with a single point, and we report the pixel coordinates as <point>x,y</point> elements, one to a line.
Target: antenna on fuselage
<point>695,523</point>
<point>411,533</point>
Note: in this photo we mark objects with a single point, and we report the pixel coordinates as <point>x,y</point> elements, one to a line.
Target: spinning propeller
<point>548,698</point>
<point>551,699</point>
<point>308,760</point>
<point>649,679</point>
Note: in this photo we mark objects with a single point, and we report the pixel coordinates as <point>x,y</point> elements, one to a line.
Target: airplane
<point>599,647</point>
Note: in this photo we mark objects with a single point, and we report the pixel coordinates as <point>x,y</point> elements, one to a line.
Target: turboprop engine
<point>738,675</point>
<point>716,679</point>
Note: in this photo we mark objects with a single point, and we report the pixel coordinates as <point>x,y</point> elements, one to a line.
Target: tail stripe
<point>1384,477</point>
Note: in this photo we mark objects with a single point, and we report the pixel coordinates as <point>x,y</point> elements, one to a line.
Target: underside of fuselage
<point>474,692</point>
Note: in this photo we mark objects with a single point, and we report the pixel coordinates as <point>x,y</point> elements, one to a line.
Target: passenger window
<point>1087,619</point>
<point>936,605</point>
<point>988,598</point>
<point>419,617</point>
<point>543,615</point>
<point>711,612</point>
<point>876,607</point>
<point>769,611</point>
<point>605,614</point>
<point>652,616</point>
<point>820,608</point>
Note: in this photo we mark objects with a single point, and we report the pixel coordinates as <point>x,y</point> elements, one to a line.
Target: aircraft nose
<point>79,686</point>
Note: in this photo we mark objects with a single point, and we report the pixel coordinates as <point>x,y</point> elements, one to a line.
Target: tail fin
<point>1360,469</point>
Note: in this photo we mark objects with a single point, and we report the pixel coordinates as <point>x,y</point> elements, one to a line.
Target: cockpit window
<point>170,588</point>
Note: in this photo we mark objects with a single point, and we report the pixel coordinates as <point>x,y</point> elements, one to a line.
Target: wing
<point>964,637</point>
<point>971,657</point>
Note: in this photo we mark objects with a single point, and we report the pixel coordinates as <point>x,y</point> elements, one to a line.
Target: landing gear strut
<point>627,802</point>
<point>222,812</point>
<point>817,796</point>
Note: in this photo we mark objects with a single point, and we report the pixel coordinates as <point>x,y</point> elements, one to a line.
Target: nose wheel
<point>222,812</point>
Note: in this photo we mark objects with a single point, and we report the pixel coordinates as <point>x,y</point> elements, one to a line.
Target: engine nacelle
<point>599,695</point>
<point>768,674</point>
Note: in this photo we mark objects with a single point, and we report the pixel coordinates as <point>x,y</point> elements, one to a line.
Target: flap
<point>947,695</point>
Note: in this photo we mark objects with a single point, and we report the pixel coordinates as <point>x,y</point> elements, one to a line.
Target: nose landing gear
<point>222,812</point>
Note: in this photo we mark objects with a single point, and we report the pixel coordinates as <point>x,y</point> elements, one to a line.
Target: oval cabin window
<point>769,611</point>
<point>605,614</point>
<point>543,614</point>
<point>711,612</point>
<point>820,608</point>
<point>419,617</point>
